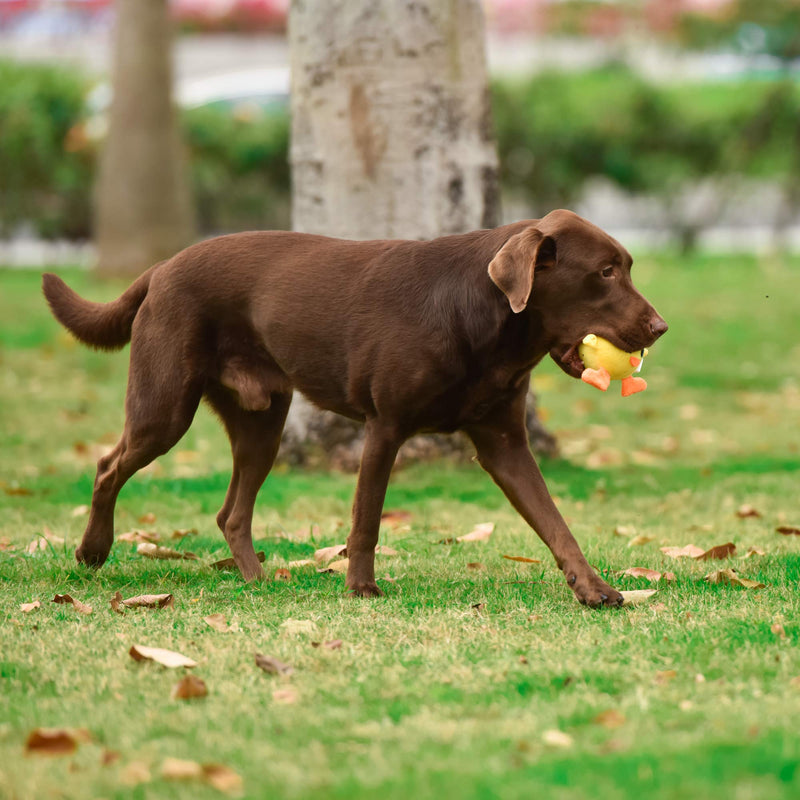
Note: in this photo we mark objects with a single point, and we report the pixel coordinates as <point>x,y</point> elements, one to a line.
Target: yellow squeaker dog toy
<point>605,363</point>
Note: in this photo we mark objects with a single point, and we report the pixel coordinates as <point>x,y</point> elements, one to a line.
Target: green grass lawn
<point>453,683</point>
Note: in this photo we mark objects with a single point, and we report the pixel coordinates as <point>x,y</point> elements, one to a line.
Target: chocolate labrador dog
<point>405,336</point>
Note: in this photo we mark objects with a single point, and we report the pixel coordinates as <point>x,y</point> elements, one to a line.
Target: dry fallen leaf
<point>223,778</point>
<point>476,565</point>
<point>795,682</point>
<point>17,491</point>
<point>116,603</point>
<point>643,572</point>
<point>177,769</point>
<point>754,551</point>
<point>134,773</point>
<point>557,738</point>
<point>295,626</point>
<point>610,719</point>
<point>51,537</point>
<point>44,540</point>
<point>523,559</point>
<point>55,741</point>
<point>641,539</point>
<point>480,533</point>
<point>334,644</point>
<point>151,550</point>
<point>272,665</point>
<point>720,551</point>
<point>328,553</point>
<point>625,530</point>
<point>219,623</point>
<point>665,676</point>
<point>283,574</point>
<point>636,596</point>
<point>286,696</point>
<point>26,608</point>
<point>746,510</point>
<point>778,630</point>
<point>66,599</point>
<point>230,563</point>
<point>689,411</point>
<point>189,686</point>
<point>730,577</point>
<point>336,566</point>
<point>303,562</point>
<point>109,757</point>
<point>304,534</point>
<point>79,511</point>
<point>147,519</point>
<point>139,536</point>
<point>690,551</point>
<point>167,658</point>
<point>183,533</point>
<point>788,530</point>
<point>395,518</point>
<point>145,601</point>
<point>36,545</point>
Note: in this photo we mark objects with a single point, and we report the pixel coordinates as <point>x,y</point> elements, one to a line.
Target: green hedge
<point>238,163</point>
<point>239,168</point>
<point>555,131</point>
<point>45,169</point>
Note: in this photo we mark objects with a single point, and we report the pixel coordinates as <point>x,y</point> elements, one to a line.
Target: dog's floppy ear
<point>512,268</point>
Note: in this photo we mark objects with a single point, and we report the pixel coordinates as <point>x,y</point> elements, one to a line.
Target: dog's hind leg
<point>163,394</point>
<point>255,437</point>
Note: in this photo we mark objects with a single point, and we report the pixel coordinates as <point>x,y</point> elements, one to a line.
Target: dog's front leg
<point>504,453</point>
<point>381,444</point>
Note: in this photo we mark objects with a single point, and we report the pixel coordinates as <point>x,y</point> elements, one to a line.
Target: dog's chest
<point>468,401</point>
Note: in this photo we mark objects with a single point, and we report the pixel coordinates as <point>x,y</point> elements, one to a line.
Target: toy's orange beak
<point>635,361</point>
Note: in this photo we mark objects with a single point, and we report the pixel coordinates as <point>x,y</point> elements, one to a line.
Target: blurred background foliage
<point>556,132</point>
<point>46,173</point>
<point>239,166</point>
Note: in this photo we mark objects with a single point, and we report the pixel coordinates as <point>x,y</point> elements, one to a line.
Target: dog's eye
<point>608,272</point>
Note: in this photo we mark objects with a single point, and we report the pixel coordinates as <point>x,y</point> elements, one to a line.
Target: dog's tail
<point>106,326</point>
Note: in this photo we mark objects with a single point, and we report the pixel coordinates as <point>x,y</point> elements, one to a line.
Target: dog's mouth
<point>570,361</point>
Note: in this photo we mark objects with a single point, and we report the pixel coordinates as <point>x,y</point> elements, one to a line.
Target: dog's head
<point>577,280</point>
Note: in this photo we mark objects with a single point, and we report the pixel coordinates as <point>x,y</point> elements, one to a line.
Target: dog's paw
<point>365,589</point>
<point>592,591</point>
<point>252,572</point>
<point>90,557</point>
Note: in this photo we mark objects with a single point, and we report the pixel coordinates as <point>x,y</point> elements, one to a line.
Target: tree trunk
<point>391,138</point>
<point>391,119</point>
<point>143,208</point>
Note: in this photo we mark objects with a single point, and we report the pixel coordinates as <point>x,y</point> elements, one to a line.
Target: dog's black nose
<point>658,327</point>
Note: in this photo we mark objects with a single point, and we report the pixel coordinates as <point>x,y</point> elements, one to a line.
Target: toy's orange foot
<point>598,378</point>
<point>632,385</point>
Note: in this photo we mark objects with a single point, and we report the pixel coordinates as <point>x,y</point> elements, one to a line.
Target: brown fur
<point>405,336</point>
